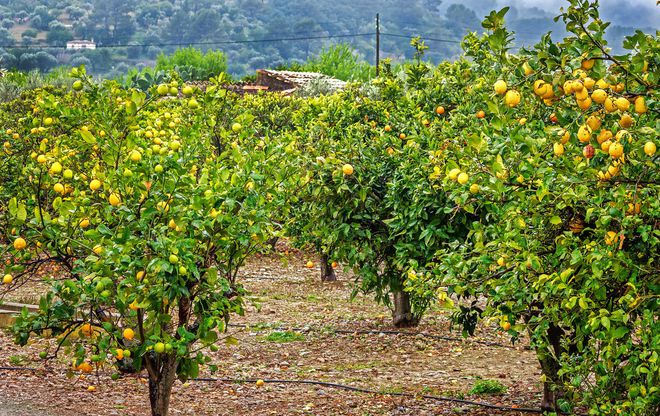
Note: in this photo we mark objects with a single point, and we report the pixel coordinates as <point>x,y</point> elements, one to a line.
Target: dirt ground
<point>286,295</point>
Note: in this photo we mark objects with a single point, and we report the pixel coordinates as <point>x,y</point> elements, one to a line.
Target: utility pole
<point>377,44</point>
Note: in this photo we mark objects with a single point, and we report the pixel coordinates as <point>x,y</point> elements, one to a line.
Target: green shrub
<point>193,64</point>
<point>488,387</point>
<point>341,62</point>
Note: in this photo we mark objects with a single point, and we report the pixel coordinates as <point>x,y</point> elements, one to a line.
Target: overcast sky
<point>637,13</point>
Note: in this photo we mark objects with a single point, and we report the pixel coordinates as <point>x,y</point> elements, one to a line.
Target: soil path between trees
<point>284,294</point>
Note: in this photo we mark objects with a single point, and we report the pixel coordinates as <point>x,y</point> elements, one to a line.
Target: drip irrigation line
<point>18,369</point>
<point>370,391</point>
<point>385,331</point>
<point>344,387</point>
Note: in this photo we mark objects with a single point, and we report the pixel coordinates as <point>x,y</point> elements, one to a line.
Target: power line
<point>422,36</point>
<point>218,42</point>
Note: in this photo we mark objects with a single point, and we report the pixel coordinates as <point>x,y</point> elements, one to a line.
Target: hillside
<point>253,33</point>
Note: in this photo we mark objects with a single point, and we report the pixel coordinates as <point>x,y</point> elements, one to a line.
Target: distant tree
<point>44,18</point>
<point>29,33</point>
<point>75,13</point>
<point>150,14</point>
<point>101,59</point>
<point>36,22</point>
<point>153,52</point>
<point>112,21</point>
<point>8,60</point>
<point>6,39</point>
<point>58,35</point>
<point>78,60</point>
<point>461,19</point>
<point>7,23</point>
<point>27,61</point>
<point>205,24</point>
<point>45,61</point>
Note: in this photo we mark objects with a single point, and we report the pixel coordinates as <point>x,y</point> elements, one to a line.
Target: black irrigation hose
<point>385,331</point>
<point>369,391</point>
<point>18,369</point>
<point>345,387</point>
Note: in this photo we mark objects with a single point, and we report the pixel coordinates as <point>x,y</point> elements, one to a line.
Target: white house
<point>81,44</point>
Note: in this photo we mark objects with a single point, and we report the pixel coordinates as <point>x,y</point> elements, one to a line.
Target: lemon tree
<point>363,188</point>
<point>558,147</point>
<point>150,205</point>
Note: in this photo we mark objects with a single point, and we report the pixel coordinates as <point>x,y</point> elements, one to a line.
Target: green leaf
<point>87,136</point>
<point>605,321</point>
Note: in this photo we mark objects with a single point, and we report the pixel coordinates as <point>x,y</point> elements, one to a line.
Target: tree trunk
<point>402,316</point>
<point>160,389</point>
<point>272,242</point>
<point>552,389</point>
<point>327,271</point>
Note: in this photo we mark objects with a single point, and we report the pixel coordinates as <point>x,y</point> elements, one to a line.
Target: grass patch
<point>260,326</point>
<point>488,387</point>
<point>391,390</point>
<point>18,360</point>
<point>358,366</point>
<point>284,336</point>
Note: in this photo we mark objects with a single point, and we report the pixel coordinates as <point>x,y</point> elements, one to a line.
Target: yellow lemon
<point>95,184</point>
<point>593,122</point>
<point>626,121</point>
<point>589,83</point>
<point>611,237</point>
<point>114,199</point>
<point>640,105</point>
<point>463,178</point>
<point>615,150</point>
<point>500,87</point>
<point>347,169</point>
<point>135,156</point>
<point>609,105</point>
<point>622,104</point>
<point>584,133</point>
<point>599,96</point>
<point>19,243</point>
<point>512,98</point>
<point>604,135</point>
<point>587,64</point>
<point>55,168</point>
<point>584,104</point>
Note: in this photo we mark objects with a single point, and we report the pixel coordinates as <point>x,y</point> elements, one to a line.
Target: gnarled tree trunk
<point>552,387</point>
<point>402,316</point>
<point>327,271</point>
<point>160,385</point>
